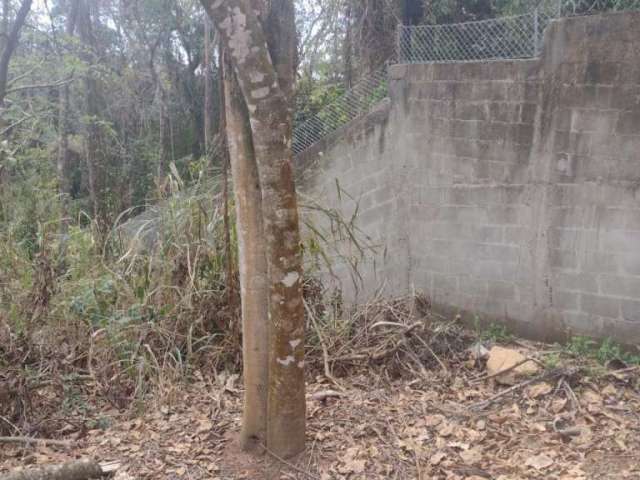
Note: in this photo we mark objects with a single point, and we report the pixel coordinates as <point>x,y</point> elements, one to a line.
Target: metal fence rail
<point>513,37</point>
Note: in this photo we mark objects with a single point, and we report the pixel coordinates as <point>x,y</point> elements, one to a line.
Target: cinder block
<point>582,324</point>
<point>447,283</point>
<point>516,235</point>
<point>501,253</point>
<point>502,215</point>
<point>630,264</point>
<point>528,112</point>
<point>502,290</point>
<point>564,300</point>
<point>600,305</point>
<point>504,112</point>
<point>486,269</point>
<point>600,73</point>
<point>627,97</point>
<point>619,241</point>
<point>470,111</point>
<point>598,121</point>
<point>599,262</point>
<point>580,282</point>
<point>474,286</point>
<point>629,123</point>
<point>620,286</point>
<point>631,310</point>
<point>563,259</point>
<point>611,218</point>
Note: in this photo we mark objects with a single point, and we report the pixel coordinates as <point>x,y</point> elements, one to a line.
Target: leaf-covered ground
<point>569,421</point>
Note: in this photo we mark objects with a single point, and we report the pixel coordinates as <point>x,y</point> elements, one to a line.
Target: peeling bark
<point>265,86</point>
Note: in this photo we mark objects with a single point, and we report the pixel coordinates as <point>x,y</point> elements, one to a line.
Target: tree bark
<point>64,185</point>
<point>11,43</point>
<point>225,160</point>
<point>266,88</point>
<point>208,91</point>
<point>254,292</point>
<point>94,169</point>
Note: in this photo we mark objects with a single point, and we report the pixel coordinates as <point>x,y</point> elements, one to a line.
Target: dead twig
<point>33,440</point>
<point>430,350</point>
<point>570,393</point>
<point>539,378</point>
<point>323,345</point>
<point>288,464</point>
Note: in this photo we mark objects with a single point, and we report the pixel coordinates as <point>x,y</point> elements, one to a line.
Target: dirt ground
<point>447,421</point>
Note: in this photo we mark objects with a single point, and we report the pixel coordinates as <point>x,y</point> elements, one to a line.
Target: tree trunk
<point>224,159</point>
<point>208,91</point>
<point>64,185</point>
<point>11,38</point>
<point>92,134</point>
<point>266,89</point>
<point>254,293</point>
<point>348,47</point>
<point>165,136</point>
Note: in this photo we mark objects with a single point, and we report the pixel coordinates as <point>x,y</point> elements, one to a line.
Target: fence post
<point>536,31</point>
<point>399,46</point>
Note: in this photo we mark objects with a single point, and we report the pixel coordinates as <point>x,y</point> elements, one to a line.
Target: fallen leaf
<point>437,458</point>
<point>539,390</point>
<point>471,456</point>
<point>539,462</point>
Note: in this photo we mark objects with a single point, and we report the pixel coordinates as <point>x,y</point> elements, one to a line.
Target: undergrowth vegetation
<point>126,318</point>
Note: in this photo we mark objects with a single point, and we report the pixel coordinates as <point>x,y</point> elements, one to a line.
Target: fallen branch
<point>539,378</point>
<point>78,470</point>
<point>33,440</point>
<point>433,354</point>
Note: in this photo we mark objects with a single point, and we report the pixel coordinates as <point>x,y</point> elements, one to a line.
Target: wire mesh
<point>495,39</point>
<point>355,102</point>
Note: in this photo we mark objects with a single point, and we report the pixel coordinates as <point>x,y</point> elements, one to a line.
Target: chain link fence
<point>504,38</point>
<point>357,101</point>
<point>495,39</point>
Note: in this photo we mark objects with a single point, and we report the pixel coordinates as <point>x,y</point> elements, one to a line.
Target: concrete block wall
<point>591,144</point>
<point>506,190</point>
<point>470,203</point>
<point>352,172</point>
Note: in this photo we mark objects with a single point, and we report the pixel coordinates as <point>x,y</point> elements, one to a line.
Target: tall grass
<point>133,314</point>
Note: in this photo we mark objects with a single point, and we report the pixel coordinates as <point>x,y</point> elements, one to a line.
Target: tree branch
<point>12,44</point>
<point>59,83</point>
